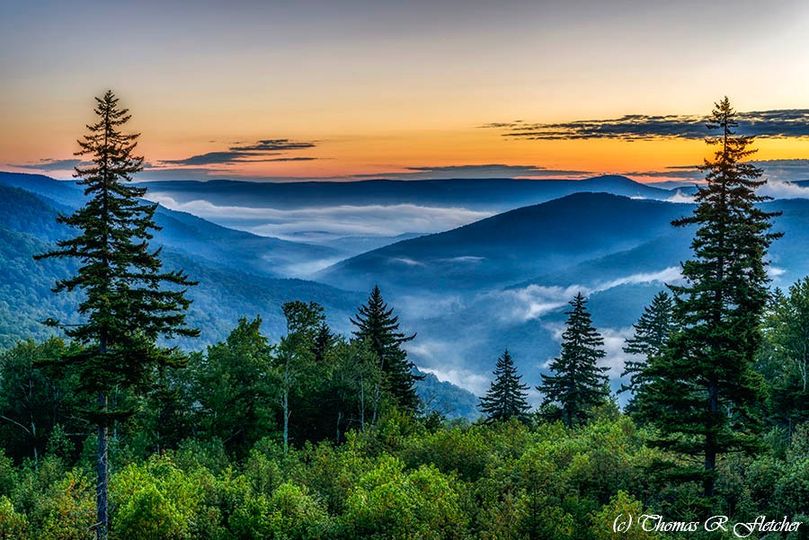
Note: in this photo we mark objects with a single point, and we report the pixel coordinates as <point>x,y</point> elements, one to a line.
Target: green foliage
<point>389,502</point>
<point>624,505</point>
<point>157,499</point>
<point>784,356</point>
<point>288,514</point>
<point>235,387</point>
<point>13,525</point>
<point>34,404</point>
<point>399,480</point>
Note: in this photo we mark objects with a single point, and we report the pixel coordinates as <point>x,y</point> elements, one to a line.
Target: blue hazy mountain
<point>511,246</point>
<point>496,193</point>
<point>236,274</point>
<point>358,216</point>
<point>186,233</point>
<point>469,292</point>
<point>232,267</point>
<point>503,282</point>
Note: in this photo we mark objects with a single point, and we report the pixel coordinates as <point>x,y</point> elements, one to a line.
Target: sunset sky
<point>324,89</point>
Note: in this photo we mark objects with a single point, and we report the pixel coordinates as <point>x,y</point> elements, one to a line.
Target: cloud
<point>534,301</point>
<point>485,171</point>
<point>343,220</point>
<point>632,127</point>
<point>680,197</point>
<point>48,164</point>
<point>446,361</point>
<point>264,150</point>
<point>779,173</point>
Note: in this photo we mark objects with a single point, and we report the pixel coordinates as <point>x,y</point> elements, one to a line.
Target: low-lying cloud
<point>344,220</point>
<point>534,301</point>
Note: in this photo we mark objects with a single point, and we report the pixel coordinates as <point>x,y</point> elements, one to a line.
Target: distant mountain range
<point>503,282</point>
<point>495,193</point>
<point>238,272</point>
<point>499,280</point>
<point>511,246</point>
<point>238,275</point>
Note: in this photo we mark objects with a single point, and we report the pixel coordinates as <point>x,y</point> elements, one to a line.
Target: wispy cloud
<point>773,123</point>
<point>264,150</point>
<point>534,301</point>
<point>484,171</point>
<point>48,164</point>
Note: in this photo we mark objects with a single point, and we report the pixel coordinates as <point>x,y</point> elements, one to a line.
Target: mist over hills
<point>510,246</point>
<point>238,272</point>
<point>498,263</point>
<point>494,193</point>
<point>359,216</point>
<point>239,275</point>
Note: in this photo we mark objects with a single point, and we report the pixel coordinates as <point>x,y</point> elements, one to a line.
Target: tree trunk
<point>102,471</point>
<point>710,439</point>
<point>286,419</point>
<point>362,406</point>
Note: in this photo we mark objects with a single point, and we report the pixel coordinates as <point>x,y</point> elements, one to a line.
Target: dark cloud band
<point>264,150</point>
<point>773,124</point>
<point>48,164</point>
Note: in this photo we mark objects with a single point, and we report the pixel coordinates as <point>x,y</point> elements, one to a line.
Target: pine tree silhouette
<point>506,398</point>
<point>578,384</point>
<point>379,327</point>
<point>701,393</point>
<point>126,307</point>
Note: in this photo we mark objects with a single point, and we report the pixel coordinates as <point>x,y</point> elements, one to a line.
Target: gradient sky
<point>344,88</point>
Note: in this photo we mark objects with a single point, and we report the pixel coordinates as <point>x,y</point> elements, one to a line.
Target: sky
<point>409,89</point>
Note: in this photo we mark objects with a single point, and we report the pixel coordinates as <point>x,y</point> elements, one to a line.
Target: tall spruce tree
<point>379,327</point>
<point>650,337</point>
<point>702,391</point>
<point>506,398</point>
<point>578,384</point>
<point>126,305</point>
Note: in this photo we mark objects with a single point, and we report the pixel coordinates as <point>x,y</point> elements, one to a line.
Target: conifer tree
<point>651,334</point>
<point>578,384</point>
<point>379,327</point>
<point>784,358</point>
<point>129,301</point>
<point>702,391</point>
<point>506,398</point>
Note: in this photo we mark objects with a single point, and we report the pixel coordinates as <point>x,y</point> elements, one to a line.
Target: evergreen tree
<point>126,305</point>
<point>324,340</point>
<point>702,391</point>
<point>578,383</point>
<point>506,398</point>
<point>784,358</point>
<point>650,337</point>
<point>379,327</point>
